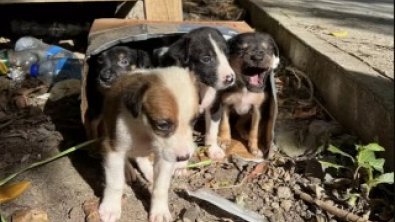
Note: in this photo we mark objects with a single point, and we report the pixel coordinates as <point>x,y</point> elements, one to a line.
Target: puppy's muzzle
<point>229,79</point>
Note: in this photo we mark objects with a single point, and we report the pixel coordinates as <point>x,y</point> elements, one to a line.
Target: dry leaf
<point>340,34</point>
<point>12,191</point>
<point>29,216</point>
<point>65,88</point>
<point>301,114</point>
<point>259,169</point>
<point>21,101</point>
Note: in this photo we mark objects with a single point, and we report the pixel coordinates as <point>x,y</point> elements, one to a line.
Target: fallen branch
<point>348,216</point>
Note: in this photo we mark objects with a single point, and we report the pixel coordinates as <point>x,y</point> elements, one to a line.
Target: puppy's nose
<point>229,79</point>
<point>182,158</point>
<point>258,55</point>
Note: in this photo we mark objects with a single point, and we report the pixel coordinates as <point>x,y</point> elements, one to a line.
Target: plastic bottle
<point>57,69</point>
<point>10,58</point>
<point>47,51</point>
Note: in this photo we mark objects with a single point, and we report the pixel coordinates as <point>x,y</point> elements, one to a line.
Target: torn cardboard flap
<point>106,33</point>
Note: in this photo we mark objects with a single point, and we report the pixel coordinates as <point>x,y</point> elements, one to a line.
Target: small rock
<point>284,193</point>
<point>277,217</point>
<point>191,214</point>
<point>286,205</point>
<point>208,176</point>
<point>275,205</point>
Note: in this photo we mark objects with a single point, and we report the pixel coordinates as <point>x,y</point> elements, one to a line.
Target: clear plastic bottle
<point>23,59</point>
<point>47,51</point>
<point>57,69</point>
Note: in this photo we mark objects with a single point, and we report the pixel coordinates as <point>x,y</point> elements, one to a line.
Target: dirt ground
<point>33,128</point>
<point>43,128</point>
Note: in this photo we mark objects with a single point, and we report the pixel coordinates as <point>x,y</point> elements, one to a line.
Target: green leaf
<point>200,164</point>
<point>2,218</point>
<point>61,154</point>
<point>365,156</point>
<point>328,164</point>
<point>353,197</point>
<point>384,178</point>
<point>373,147</point>
<point>336,150</point>
<point>378,164</point>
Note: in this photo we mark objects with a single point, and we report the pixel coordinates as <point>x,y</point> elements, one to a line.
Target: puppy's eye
<point>206,59</point>
<point>163,125</point>
<point>123,63</point>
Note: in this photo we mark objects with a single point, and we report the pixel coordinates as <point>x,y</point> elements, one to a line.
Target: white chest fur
<point>242,101</point>
<point>207,95</point>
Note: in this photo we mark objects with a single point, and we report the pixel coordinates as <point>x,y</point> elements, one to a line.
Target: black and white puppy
<point>117,61</point>
<point>205,52</point>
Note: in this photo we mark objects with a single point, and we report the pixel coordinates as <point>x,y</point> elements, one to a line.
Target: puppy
<point>112,64</point>
<point>117,61</point>
<point>253,56</point>
<point>204,51</point>
<point>148,111</point>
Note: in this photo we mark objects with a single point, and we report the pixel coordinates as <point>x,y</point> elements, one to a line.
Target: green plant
<point>365,166</point>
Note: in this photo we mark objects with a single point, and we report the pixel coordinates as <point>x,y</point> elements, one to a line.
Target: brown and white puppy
<point>205,52</point>
<point>149,111</point>
<point>112,64</point>
<point>253,56</point>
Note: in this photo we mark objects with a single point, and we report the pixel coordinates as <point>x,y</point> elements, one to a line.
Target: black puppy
<point>117,61</point>
<point>110,65</point>
<point>253,56</point>
<point>205,52</point>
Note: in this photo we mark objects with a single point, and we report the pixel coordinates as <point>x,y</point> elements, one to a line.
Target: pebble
<point>208,176</point>
<point>191,214</point>
<point>284,193</point>
<point>275,205</point>
<point>286,205</point>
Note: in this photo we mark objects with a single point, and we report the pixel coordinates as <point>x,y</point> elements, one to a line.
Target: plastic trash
<point>10,58</point>
<point>56,70</point>
<point>44,50</point>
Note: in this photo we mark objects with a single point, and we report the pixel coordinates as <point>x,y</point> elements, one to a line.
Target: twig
<point>298,72</point>
<point>7,123</point>
<point>348,216</point>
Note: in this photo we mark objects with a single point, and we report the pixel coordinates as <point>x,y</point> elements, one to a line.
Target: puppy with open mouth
<point>204,51</point>
<point>253,56</point>
<point>152,110</point>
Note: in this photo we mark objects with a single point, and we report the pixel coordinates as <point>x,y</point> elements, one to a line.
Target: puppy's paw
<point>160,214</point>
<point>224,142</point>
<point>216,153</point>
<point>257,153</point>
<point>180,169</point>
<point>109,211</point>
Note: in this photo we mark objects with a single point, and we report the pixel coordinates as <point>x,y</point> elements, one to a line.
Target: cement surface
<point>353,72</point>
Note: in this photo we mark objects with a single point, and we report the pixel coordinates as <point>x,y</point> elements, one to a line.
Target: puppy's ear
<point>133,97</point>
<point>275,48</point>
<point>180,51</point>
<point>143,59</point>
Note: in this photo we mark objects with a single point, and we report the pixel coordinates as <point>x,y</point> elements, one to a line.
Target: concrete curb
<point>359,98</point>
